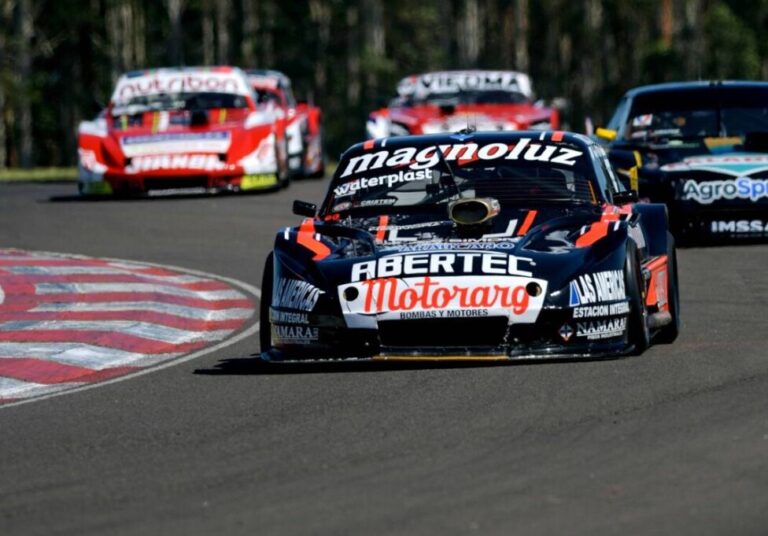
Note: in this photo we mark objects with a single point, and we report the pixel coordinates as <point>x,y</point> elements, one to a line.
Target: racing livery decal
<point>601,329</point>
<point>758,227</point>
<point>444,297</point>
<point>296,294</point>
<point>442,263</point>
<point>708,192</point>
<point>599,287</point>
<point>469,152</point>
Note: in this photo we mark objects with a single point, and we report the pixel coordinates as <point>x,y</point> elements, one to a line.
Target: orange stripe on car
<point>368,145</point>
<point>527,222</point>
<point>596,231</point>
<point>558,135</point>
<point>381,232</point>
<point>306,238</point>
<point>658,286</point>
<point>599,229</point>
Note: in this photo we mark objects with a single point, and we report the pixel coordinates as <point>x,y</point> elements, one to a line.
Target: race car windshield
<point>265,97</point>
<point>469,97</point>
<point>710,112</point>
<point>179,101</point>
<point>512,183</point>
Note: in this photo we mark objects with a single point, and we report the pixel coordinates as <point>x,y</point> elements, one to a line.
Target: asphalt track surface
<point>672,442</point>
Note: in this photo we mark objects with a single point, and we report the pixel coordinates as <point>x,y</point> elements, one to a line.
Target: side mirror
<point>622,198</point>
<point>302,208</point>
<point>606,134</point>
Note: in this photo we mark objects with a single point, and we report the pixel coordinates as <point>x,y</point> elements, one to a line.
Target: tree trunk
<point>375,45</point>
<point>223,11</point>
<point>6,14</point>
<point>175,50</point>
<point>114,44</point>
<point>695,26</point>
<point>521,36</point>
<point>320,13</point>
<point>353,68</point>
<point>666,22</point>
<point>250,33</point>
<point>24,55</point>
<point>139,35</point>
<point>208,38</point>
<point>268,34</point>
<point>469,34</point>
<point>590,77</point>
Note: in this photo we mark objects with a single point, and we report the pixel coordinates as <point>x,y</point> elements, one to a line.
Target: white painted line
<point>98,288</point>
<point>102,270</point>
<point>10,388</point>
<point>183,311</point>
<point>145,330</point>
<point>80,355</point>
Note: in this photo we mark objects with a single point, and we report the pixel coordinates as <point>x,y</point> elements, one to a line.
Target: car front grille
<point>167,183</point>
<point>448,332</point>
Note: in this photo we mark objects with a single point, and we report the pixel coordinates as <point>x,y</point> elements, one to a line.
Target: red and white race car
<point>182,130</point>
<point>450,101</point>
<point>303,125</point>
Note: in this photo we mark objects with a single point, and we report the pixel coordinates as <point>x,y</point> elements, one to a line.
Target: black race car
<point>702,149</point>
<point>491,245</point>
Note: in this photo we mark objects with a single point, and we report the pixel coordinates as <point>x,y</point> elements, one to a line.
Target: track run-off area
<point>672,442</point>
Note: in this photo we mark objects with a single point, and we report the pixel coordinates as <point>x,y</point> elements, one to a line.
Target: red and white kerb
<point>70,321</point>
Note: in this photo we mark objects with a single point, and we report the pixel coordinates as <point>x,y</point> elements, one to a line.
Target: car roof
<point>180,70</point>
<point>697,84</point>
<point>280,77</point>
<point>166,79</point>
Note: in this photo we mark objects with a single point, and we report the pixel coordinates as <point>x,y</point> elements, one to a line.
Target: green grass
<point>41,174</point>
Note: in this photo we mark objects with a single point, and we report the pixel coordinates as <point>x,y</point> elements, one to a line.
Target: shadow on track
<point>253,365</point>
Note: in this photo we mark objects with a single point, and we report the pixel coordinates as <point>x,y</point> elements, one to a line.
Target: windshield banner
<point>427,157</point>
<point>156,83</point>
<point>456,81</point>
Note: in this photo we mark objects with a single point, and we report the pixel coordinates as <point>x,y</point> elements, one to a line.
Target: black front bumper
<point>459,339</point>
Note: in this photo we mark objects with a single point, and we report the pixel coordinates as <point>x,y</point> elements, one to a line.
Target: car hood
<point>541,238</point>
<point>434,119</point>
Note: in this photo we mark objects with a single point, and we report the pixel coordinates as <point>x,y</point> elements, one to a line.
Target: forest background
<point>60,58</point>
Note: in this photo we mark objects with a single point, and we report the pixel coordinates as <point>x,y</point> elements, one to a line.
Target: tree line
<point>60,59</point>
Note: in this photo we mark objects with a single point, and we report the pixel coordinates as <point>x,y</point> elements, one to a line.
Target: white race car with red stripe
<point>303,121</point>
<point>487,245</point>
<point>183,130</point>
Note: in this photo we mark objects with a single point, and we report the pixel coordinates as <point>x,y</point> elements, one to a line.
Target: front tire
<point>638,333</point>
<point>265,327</point>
